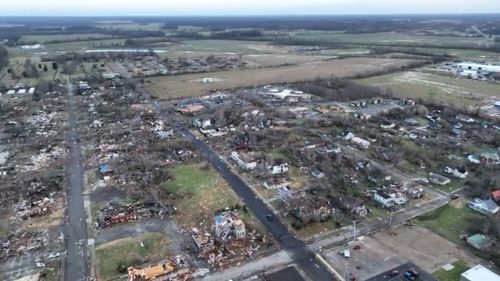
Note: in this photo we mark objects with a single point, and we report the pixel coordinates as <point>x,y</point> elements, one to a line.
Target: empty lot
<point>191,85</point>
<point>391,248</point>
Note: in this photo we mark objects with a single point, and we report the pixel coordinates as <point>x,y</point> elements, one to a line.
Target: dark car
<point>411,274</point>
<point>269,217</point>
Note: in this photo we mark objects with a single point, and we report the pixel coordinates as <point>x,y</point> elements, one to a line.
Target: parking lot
<point>389,249</point>
<point>397,274</point>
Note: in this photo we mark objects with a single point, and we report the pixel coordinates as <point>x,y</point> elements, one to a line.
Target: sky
<point>240,7</point>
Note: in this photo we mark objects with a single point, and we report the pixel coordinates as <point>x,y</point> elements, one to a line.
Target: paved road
<point>75,229</point>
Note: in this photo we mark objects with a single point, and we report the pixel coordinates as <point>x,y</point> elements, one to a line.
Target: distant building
<point>479,67</point>
<point>479,273</point>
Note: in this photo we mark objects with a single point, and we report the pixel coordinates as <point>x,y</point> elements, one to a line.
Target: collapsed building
<point>115,213</point>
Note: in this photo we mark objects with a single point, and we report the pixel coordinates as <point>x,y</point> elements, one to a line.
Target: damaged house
<point>311,210</point>
<point>229,225</point>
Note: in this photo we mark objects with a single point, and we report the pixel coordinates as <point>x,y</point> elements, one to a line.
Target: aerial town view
<point>250,140</point>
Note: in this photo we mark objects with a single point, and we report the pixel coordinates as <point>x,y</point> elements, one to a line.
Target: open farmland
<point>191,85</point>
<point>263,60</point>
<point>436,88</point>
<point>393,38</point>
<point>190,48</point>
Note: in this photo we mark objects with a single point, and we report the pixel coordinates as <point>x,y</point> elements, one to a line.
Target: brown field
<point>190,85</point>
<point>264,60</point>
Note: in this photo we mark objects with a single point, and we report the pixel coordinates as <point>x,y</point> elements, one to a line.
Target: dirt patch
<point>191,84</point>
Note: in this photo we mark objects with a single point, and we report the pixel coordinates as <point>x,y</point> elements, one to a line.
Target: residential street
<point>75,229</point>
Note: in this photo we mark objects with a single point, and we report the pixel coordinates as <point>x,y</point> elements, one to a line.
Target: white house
<point>383,199</point>
<point>244,161</point>
<point>457,173</point>
<point>487,207</point>
<point>278,169</point>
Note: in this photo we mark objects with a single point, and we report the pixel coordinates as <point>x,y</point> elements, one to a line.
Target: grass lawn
<point>128,251</point>
<point>451,221</point>
<point>51,271</point>
<point>202,193</point>
<point>455,185</point>
<point>452,275</point>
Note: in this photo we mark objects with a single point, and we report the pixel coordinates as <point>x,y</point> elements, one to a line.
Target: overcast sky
<point>240,7</point>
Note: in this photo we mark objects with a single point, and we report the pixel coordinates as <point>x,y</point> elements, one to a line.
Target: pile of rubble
<point>43,124</point>
<point>116,213</point>
<point>25,210</point>
<point>22,242</point>
<point>44,159</point>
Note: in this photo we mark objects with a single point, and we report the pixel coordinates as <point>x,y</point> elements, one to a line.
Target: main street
<point>75,228</point>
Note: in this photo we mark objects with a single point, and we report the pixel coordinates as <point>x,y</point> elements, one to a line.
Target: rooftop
<point>480,273</point>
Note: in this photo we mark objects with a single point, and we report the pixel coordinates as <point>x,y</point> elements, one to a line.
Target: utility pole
<point>390,219</point>
<point>354,232</point>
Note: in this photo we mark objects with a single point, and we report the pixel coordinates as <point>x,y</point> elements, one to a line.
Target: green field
<point>130,252</point>
<point>436,88</point>
<point>390,38</point>
<point>452,221</point>
<point>206,47</point>
<point>62,37</point>
<point>201,193</point>
<point>452,275</point>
